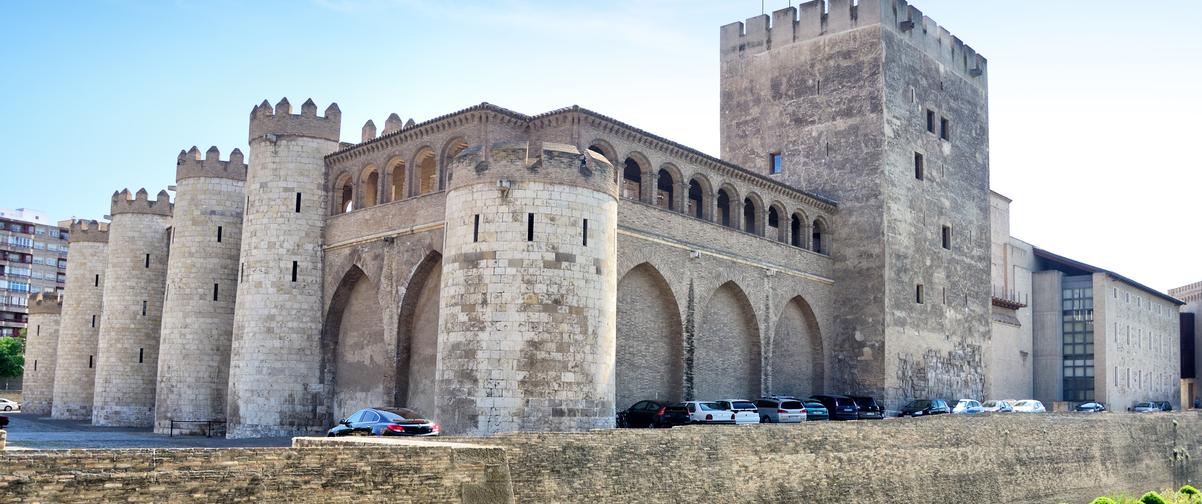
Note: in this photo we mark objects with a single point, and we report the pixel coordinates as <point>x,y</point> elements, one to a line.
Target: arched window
<point>397,173</point>
<point>750,213</point>
<point>696,200</point>
<point>724,208</point>
<point>665,193</point>
<point>795,232</point>
<point>819,239</point>
<point>632,180</point>
<point>605,150</point>
<point>369,186</point>
<point>774,229</point>
<point>427,172</point>
<point>344,190</point>
<point>452,149</point>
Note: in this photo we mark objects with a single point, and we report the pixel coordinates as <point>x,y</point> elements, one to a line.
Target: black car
<point>1091,407</point>
<point>653,414</point>
<point>839,407</point>
<point>815,411</point>
<point>925,407</point>
<point>869,408</point>
<point>3,421</point>
<point>384,421</point>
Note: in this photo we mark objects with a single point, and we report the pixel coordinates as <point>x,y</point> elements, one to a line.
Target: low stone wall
<point>1011,458</point>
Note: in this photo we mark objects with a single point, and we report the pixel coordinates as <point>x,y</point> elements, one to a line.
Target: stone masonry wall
<point>41,345</point>
<point>128,342</point>
<point>79,326</point>
<point>198,313</point>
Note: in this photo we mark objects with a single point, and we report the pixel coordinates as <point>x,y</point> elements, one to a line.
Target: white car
<point>996,407</point>
<point>967,406</point>
<point>9,405</point>
<point>781,410</point>
<point>709,412</point>
<point>744,410</point>
<point>1029,406</point>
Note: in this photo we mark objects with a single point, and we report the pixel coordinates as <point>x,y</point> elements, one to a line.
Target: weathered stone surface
<point>41,347</point>
<point>79,324</point>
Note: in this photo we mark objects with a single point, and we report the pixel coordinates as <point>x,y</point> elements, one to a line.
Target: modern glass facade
<point>1078,345</point>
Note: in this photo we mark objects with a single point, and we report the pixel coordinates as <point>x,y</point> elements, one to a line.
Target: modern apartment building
<point>33,258</point>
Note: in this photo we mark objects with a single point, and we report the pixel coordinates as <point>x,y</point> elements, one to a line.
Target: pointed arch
<point>650,352</point>
<point>727,358</point>
<point>354,351</point>
<point>369,186</point>
<point>417,336</point>
<point>798,357</point>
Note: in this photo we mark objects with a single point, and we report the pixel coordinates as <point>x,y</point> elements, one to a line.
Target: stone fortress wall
<point>41,347</point>
<point>79,324</point>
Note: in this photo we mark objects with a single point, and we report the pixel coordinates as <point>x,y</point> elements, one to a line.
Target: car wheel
<point>8,408</point>
<point>765,419</point>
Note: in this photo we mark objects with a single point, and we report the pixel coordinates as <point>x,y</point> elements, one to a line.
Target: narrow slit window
<point>147,260</point>
<point>218,234</point>
<point>90,362</point>
<point>476,229</point>
<point>141,354</point>
<point>93,321</point>
<point>143,307</point>
<point>918,294</point>
<point>947,237</point>
<point>215,287</point>
<point>530,227</point>
<point>38,330</point>
<point>945,129</point>
<point>97,280</point>
<point>294,269</point>
<point>298,202</point>
<point>585,232</point>
<point>919,166</point>
<point>930,121</point>
<point>35,364</point>
<point>241,272</point>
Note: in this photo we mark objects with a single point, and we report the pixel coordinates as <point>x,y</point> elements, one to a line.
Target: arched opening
<point>751,213</point>
<point>397,174</point>
<point>818,237</point>
<point>369,186</point>
<point>427,171</point>
<point>356,358</point>
<point>724,208</point>
<point>797,231</point>
<point>797,362</point>
<point>696,200</point>
<point>665,190</point>
<point>727,350</point>
<point>417,337</point>
<point>344,194</point>
<point>605,150</point>
<point>774,229</point>
<point>632,180</point>
<point>452,149</point>
<point>650,354</point>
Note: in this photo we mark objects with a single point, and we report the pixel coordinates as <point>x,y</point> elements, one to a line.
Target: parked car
<point>9,404</point>
<point>968,406</point>
<point>3,421</point>
<point>924,407</point>
<point>780,410</point>
<point>653,414</point>
<point>1152,407</point>
<point>995,406</point>
<point>744,410</point>
<point>1165,405</point>
<point>384,421</point>
<point>869,409</point>
<point>815,411</point>
<point>1090,407</point>
<point>839,407</point>
<point>709,412</point>
<point>1029,406</point>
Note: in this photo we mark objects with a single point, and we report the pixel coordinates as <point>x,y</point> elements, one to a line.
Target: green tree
<point>12,357</point>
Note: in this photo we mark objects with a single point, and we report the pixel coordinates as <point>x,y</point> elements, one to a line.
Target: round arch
<point>451,149</point>
<point>425,164</point>
<point>667,179</point>
<point>650,346</point>
<point>727,349</point>
<point>417,336</point>
<point>797,363</point>
<point>753,214</point>
<point>395,176</point>
<point>342,194</point>
<point>352,342</point>
<point>369,186</point>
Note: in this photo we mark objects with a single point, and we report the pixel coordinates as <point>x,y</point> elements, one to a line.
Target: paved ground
<point>26,431</point>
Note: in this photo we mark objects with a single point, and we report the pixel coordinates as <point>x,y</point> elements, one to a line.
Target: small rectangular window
<point>298,202</point>
<point>215,292</point>
<point>918,294</point>
<point>476,229</point>
<point>143,307</point>
<point>529,227</point>
<point>947,237</point>
<point>241,272</point>
<point>930,121</point>
<point>89,362</point>
<point>35,364</point>
<point>294,266</point>
<point>585,233</point>
<point>218,234</point>
<point>774,167</point>
<point>945,129</point>
<point>97,280</point>
<point>147,260</point>
<point>38,330</point>
<point>141,354</point>
<point>93,321</point>
<point>918,166</point>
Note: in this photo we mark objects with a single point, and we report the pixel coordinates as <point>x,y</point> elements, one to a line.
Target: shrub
<point>1188,490</point>
<point>1103,500</point>
<point>1153,498</point>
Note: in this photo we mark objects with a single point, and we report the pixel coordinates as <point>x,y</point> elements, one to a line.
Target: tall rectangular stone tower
<point>881,109</point>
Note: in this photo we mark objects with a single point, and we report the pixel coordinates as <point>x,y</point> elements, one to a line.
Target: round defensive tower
<point>79,324</point>
<point>127,364</point>
<point>529,291</point>
<point>41,346</point>
<point>275,386</point>
<point>202,281</point>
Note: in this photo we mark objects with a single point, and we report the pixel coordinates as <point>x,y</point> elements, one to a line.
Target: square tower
<point>874,105</point>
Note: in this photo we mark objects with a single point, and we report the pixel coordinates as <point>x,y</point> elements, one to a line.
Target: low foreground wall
<point>1016,458</point>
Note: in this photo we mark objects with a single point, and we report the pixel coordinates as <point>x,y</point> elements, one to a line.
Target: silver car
<point>994,406</point>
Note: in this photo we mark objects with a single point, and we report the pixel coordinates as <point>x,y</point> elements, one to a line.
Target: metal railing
<point>211,427</point>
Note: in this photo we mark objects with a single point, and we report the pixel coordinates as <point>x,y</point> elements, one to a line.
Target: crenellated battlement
<point>87,231</point>
<point>819,18</point>
<point>190,165</point>
<point>45,303</point>
<point>124,202</point>
<point>281,121</point>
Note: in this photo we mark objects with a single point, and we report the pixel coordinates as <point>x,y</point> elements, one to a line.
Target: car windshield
<point>990,404</point>
<point>790,405</point>
<point>743,405</point>
<point>844,401</point>
<point>814,404</point>
<point>396,414</point>
<point>918,404</point>
<point>710,406</point>
<point>1144,405</point>
<point>865,402</point>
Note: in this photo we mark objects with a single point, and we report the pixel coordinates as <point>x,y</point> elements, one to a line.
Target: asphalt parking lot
<point>27,431</point>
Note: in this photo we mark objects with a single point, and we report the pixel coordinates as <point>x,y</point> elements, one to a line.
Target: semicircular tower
<point>41,347</point>
<point>79,323</point>
<point>202,276</point>
<point>128,343</point>
<point>528,297</point>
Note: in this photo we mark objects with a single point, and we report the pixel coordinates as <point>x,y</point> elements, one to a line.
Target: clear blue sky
<point>1094,105</point>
